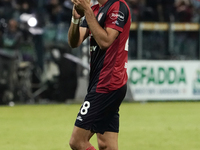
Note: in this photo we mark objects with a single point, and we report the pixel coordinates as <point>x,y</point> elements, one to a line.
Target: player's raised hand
<point>81,5</point>
<point>76,13</point>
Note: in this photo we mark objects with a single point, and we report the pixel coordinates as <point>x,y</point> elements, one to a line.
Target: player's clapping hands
<point>76,13</point>
<point>80,6</point>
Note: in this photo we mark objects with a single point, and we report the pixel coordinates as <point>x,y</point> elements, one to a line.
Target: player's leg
<point>107,141</point>
<point>80,139</point>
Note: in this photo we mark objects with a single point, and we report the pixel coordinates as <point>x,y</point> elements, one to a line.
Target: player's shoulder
<point>121,6</point>
<point>122,3</point>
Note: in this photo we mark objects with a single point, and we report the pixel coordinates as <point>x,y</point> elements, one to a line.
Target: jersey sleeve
<point>117,16</point>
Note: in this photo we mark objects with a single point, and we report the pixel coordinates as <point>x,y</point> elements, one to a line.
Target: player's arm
<point>76,34</point>
<point>103,37</point>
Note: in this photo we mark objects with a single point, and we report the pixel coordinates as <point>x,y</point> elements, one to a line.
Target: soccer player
<point>107,24</point>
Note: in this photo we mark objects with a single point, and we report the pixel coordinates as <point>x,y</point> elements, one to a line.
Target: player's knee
<point>106,146</point>
<point>76,144</point>
<point>73,144</point>
<point>102,145</point>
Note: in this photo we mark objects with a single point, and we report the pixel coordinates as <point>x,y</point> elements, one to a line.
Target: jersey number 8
<point>85,107</point>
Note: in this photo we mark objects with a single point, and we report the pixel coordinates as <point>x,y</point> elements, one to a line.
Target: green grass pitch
<point>144,126</point>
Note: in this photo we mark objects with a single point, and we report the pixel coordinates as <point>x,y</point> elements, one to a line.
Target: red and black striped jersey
<point>108,67</point>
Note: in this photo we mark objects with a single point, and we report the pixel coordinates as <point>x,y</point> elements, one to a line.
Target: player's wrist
<point>75,20</point>
<point>88,12</point>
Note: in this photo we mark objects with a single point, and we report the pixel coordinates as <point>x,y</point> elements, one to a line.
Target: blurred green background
<point>143,126</point>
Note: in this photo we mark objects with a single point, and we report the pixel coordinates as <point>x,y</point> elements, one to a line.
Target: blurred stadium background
<point>38,66</point>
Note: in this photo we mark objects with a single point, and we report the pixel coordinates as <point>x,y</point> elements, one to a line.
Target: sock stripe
<point>91,148</point>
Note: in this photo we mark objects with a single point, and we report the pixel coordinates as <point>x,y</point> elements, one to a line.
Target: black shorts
<point>99,112</point>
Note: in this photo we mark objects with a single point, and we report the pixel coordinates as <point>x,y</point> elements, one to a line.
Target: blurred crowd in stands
<point>35,31</point>
<point>52,13</point>
<point>33,34</point>
<point>15,14</point>
<point>57,11</point>
<point>165,10</point>
<point>156,43</point>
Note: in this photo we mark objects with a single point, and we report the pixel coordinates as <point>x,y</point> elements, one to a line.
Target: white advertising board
<point>164,80</point>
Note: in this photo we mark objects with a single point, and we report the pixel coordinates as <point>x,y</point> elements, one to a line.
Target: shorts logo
<point>100,16</point>
<point>79,118</point>
<point>117,15</point>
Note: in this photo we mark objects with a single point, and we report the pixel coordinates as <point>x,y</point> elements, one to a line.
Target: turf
<point>144,126</point>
